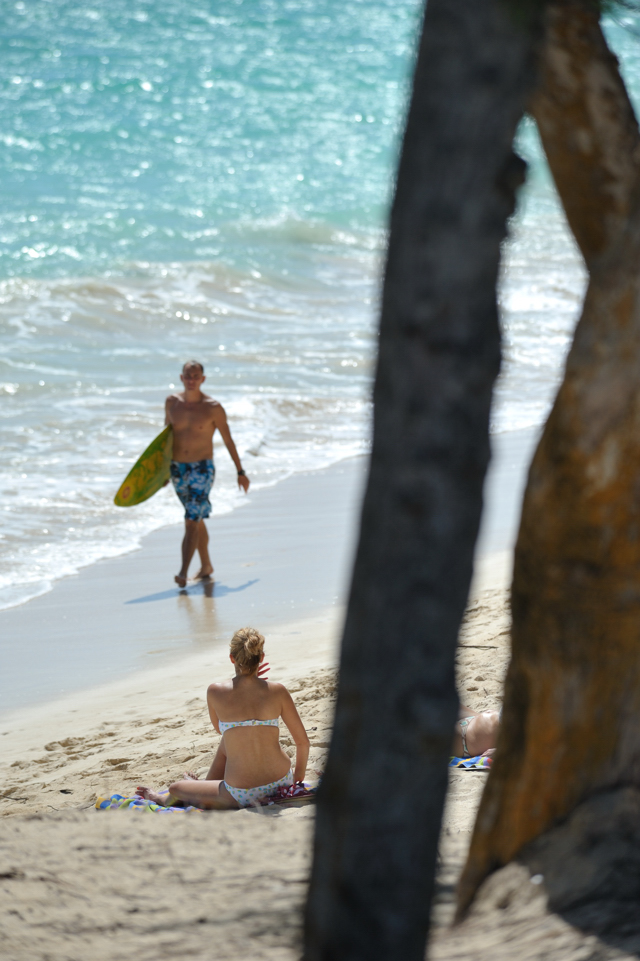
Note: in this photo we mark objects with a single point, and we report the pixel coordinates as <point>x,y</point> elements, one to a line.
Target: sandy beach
<point>118,884</point>
<point>80,882</point>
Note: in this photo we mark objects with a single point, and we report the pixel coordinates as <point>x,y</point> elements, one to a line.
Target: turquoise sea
<point>212,179</point>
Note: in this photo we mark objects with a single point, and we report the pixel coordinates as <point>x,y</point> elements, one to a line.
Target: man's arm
<point>220,420</point>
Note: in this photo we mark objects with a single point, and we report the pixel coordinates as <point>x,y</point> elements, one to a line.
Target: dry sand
<point>77,882</point>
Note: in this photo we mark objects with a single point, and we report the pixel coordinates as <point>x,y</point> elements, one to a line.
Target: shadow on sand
<point>208,588</point>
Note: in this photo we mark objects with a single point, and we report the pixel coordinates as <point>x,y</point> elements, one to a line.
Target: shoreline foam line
<point>287,554</point>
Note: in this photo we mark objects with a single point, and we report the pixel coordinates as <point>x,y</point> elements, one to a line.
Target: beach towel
<point>296,792</point>
<point>478,763</point>
<point>120,802</point>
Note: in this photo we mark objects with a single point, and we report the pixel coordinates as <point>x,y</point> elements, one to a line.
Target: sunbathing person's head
<point>247,650</point>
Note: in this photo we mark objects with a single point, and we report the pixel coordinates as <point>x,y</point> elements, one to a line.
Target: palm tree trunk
<point>381,800</point>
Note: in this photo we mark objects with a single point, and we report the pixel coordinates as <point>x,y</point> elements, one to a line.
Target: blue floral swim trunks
<point>192,483</point>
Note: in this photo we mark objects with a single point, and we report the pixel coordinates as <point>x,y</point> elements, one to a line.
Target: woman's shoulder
<point>219,687</point>
<point>277,689</point>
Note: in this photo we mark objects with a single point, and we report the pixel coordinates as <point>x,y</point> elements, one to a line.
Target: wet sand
<point>284,555</point>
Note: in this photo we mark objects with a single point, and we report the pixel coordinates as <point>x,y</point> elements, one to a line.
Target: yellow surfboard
<point>149,473</point>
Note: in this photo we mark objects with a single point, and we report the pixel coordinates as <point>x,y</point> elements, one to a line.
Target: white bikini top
<point>226,725</point>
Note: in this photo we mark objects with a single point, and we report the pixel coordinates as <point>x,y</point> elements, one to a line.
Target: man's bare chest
<point>195,417</point>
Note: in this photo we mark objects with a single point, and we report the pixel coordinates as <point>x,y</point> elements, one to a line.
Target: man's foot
<point>204,573</point>
<point>190,776</point>
<point>153,796</point>
<point>180,580</point>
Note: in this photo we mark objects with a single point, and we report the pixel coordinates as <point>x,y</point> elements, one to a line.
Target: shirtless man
<point>195,417</point>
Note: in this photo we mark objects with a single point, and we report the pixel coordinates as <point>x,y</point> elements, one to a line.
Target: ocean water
<point>211,180</point>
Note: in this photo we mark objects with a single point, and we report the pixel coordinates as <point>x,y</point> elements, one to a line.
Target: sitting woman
<point>476,734</point>
<point>249,764</point>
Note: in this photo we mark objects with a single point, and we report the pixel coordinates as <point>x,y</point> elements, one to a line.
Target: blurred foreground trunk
<point>381,799</point>
<point>571,722</point>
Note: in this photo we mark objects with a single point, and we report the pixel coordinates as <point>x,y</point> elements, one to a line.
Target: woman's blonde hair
<point>247,647</point>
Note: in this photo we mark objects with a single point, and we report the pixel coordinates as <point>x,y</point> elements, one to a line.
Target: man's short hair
<point>193,363</point>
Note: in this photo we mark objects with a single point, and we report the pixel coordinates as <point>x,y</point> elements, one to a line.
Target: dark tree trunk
<point>572,697</point>
<point>381,800</point>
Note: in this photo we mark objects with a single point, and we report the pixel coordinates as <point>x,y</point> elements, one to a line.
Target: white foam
<point>85,365</point>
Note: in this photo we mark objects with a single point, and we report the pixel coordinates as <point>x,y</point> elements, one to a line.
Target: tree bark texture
<point>571,720</point>
<point>587,126</point>
<point>380,804</point>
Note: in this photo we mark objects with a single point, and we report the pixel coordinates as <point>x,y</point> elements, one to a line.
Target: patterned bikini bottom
<point>248,796</point>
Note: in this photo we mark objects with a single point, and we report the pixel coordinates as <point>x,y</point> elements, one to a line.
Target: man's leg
<point>206,567</point>
<point>189,545</point>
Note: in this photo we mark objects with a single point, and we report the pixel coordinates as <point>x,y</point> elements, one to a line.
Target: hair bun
<point>253,645</point>
<point>247,647</point>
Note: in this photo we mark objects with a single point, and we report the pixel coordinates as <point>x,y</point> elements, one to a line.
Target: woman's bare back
<point>253,753</point>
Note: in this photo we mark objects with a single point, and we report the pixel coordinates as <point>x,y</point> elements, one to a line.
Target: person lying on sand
<point>249,764</point>
<point>195,417</point>
<point>475,734</point>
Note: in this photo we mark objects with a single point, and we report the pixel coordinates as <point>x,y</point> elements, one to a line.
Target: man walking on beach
<point>194,417</point>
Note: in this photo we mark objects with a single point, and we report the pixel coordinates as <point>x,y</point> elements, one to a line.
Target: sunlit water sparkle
<point>212,181</point>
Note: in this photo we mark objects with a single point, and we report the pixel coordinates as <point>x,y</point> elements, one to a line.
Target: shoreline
<point>225,474</point>
<point>500,442</point>
<point>118,616</point>
<point>285,557</point>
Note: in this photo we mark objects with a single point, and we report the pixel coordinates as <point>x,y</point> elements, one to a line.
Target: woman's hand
<point>263,670</point>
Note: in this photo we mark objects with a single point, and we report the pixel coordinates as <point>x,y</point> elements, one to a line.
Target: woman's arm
<point>293,721</point>
<point>212,711</point>
<point>216,771</point>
